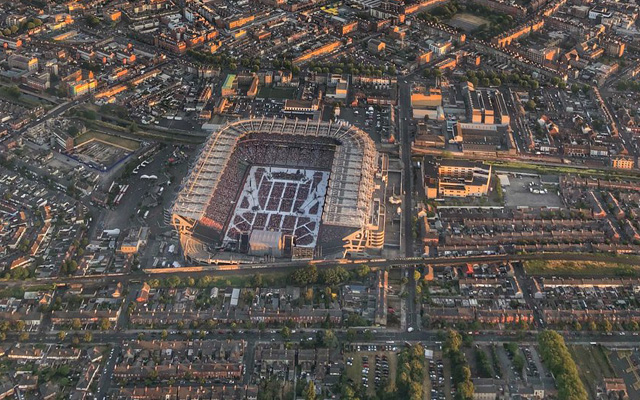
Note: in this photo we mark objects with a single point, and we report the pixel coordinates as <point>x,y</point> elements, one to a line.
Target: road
<point>106,375</point>
<point>526,282</point>
<point>404,115</point>
<point>381,335</point>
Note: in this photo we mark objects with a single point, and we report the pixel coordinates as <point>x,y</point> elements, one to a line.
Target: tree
<point>362,271</point>
<point>465,390</point>
<point>24,336</point>
<point>13,91</point>
<point>173,281</point>
<point>19,325</point>
<point>335,275</point>
<point>351,335</point>
<point>453,341</point>
<point>92,21</point>
<point>104,324</point>
<point>329,339</point>
<point>309,392</point>
<point>417,275</point>
<point>530,105</point>
<point>164,334</point>
<point>305,276</point>
<point>88,337</point>
<point>257,280</point>
<point>557,358</point>
<point>286,332</point>
<point>62,335</point>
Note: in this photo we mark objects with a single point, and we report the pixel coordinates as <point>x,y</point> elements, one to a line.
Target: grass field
<point>593,365</point>
<point>552,169</point>
<point>128,144</point>
<point>581,268</point>
<point>467,22</point>
<point>276,93</point>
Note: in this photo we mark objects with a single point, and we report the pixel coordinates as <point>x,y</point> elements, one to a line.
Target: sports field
<point>276,93</point>
<point>467,22</point>
<point>123,143</point>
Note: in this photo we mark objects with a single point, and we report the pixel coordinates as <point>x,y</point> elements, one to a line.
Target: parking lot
<point>626,364</point>
<point>529,192</point>
<point>371,367</point>
<point>376,122</point>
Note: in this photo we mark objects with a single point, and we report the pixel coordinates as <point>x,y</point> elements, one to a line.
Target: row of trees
<point>606,325</point>
<point>460,371</point>
<point>491,78</point>
<point>556,357</point>
<point>624,85</point>
<point>517,359</point>
<point>349,65</point>
<point>411,372</point>
<point>483,364</point>
<point>29,24</point>
<point>330,276</point>
<point>175,281</point>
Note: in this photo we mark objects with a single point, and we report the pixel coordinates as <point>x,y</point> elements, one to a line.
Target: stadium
<point>282,188</point>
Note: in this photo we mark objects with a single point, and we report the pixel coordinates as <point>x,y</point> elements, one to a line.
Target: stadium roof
<point>351,186</point>
<point>264,242</point>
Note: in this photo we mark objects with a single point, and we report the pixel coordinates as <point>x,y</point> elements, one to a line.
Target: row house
<point>509,316</point>
<point>67,317</point>
<point>567,316</point>
<point>216,370</point>
<point>301,316</point>
<point>218,392</point>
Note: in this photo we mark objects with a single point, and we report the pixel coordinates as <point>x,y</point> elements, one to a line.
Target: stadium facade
<point>270,175</point>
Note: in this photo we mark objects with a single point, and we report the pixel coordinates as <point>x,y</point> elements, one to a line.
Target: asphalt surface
<point>404,115</point>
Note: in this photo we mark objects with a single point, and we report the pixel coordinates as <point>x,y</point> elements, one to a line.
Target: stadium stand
<point>296,157</point>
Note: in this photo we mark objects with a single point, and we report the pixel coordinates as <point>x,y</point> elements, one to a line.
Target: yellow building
<point>318,51</point>
<point>376,46</point>
<point>77,89</point>
<point>135,240</point>
<point>456,178</point>
<point>113,15</point>
<point>426,98</point>
<point>623,162</point>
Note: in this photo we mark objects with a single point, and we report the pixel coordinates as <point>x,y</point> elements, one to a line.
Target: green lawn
<point>561,169</point>
<point>580,268</point>
<point>593,366</point>
<point>124,143</point>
